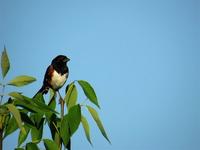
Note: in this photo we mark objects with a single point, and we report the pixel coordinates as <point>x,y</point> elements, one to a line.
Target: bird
<point>56,75</point>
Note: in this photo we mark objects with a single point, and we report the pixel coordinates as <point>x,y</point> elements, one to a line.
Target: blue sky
<point>141,56</point>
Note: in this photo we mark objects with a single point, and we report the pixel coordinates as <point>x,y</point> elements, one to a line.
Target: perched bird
<point>56,74</point>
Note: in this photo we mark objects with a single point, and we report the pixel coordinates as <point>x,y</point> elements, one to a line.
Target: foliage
<point>30,115</point>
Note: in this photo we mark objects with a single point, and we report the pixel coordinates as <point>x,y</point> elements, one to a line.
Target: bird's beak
<point>67,59</point>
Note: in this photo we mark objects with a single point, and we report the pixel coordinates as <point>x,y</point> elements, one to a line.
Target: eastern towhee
<point>56,74</point>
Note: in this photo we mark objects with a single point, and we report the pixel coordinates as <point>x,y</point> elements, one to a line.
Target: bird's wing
<point>47,81</point>
<point>48,76</point>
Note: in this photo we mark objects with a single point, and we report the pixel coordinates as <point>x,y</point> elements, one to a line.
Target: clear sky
<point>141,56</point>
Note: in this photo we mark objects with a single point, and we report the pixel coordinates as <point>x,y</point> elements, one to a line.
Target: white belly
<point>58,80</point>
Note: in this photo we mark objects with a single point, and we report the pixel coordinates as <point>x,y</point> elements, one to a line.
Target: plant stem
<point>62,104</point>
<point>3,89</point>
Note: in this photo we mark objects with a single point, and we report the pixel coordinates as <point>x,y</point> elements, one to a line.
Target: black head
<point>60,59</point>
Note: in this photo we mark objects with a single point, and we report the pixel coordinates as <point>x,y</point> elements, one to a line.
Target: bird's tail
<point>42,90</point>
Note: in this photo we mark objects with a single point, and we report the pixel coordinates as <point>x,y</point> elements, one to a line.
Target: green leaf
<point>64,130</point>
<point>54,125</point>
<point>96,118</point>
<point>39,100</point>
<point>21,80</point>
<point>25,118</point>
<point>28,105</point>
<point>89,92</point>
<point>44,107</point>
<point>6,120</point>
<point>16,95</point>
<point>16,115</point>
<point>3,110</point>
<point>37,131</point>
<point>36,134</point>
<point>57,138</point>
<point>31,146</point>
<point>22,136</point>
<point>71,96</point>
<point>5,64</point>
<point>70,123</point>
<point>74,117</point>
<point>86,128</point>
<point>51,105</point>
<point>38,119</point>
<point>50,145</point>
<point>33,105</point>
<point>11,127</point>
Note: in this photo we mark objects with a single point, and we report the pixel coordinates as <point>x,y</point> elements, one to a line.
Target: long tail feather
<point>42,90</point>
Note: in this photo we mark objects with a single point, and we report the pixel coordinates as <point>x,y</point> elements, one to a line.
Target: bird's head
<point>60,59</point>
